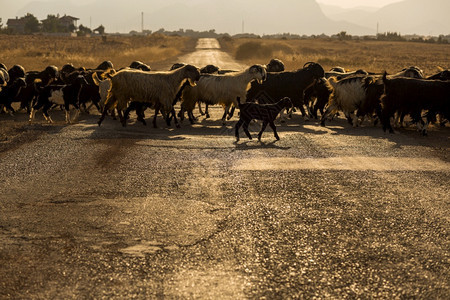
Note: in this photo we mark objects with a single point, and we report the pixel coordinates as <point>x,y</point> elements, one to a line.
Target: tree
<point>100,29</point>
<point>84,29</point>
<point>51,24</point>
<point>342,36</point>
<point>31,24</point>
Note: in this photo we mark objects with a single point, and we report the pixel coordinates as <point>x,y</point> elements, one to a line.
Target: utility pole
<point>243,26</point>
<point>142,22</point>
<point>378,25</point>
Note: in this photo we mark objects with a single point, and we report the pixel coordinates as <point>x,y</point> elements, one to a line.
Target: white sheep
<point>158,88</point>
<point>222,89</point>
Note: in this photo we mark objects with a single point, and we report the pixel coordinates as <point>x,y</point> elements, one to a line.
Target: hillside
<point>407,17</point>
<point>259,16</point>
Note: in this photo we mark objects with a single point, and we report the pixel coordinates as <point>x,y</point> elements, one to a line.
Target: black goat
<point>411,96</point>
<point>4,76</point>
<point>58,94</point>
<point>16,71</point>
<point>317,96</point>
<point>286,84</point>
<point>140,66</point>
<point>443,75</point>
<point>27,94</point>
<point>275,65</point>
<point>264,112</point>
<point>8,93</point>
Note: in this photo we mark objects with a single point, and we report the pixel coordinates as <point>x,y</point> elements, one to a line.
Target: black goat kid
<point>265,112</point>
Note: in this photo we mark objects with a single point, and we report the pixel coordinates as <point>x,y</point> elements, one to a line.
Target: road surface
<point>136,212</point>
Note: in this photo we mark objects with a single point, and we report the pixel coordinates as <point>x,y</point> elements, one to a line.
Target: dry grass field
<point>373,56</point>
<point>37,52</point>
<point>159,51</point>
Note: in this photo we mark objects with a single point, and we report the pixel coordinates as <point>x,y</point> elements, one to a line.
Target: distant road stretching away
<point>208,53</point>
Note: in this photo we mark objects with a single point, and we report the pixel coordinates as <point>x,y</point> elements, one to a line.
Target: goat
<point>16,71</point>
<point>275,65</point>
<point>60,95</point>
<point>290,84</point>
<point>442,75</point>
<point>8,93</point>
<point>266,113</point>
<point>316,96</point>
<point>140,66</point>
<point>105,65</point>
<point>339,73</point>
<point>4,77</point>
<point>410,72</point>
<point>159,88</point>
<point>104,85</point>
<point>27,94</point>
<point>348,95</point>
<point>411,96</point>
<point>222,89</point>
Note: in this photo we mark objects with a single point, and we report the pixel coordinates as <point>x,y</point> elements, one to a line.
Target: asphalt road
<point>90,212</point>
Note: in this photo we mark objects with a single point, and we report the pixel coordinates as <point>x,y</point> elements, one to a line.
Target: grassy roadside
<point>373,56</point>
<point>37,52</point>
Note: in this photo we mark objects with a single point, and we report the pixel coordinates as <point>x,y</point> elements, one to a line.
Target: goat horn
<point>308,64</point>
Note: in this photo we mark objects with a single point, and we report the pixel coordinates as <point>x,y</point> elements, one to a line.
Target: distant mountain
<point>407,17</point>
<point>257,16</point>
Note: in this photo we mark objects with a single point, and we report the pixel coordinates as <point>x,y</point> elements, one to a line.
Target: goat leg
<point>231,112</point>
<point>207,111</point>
<point>200,108</point>
<point>272,125</point>
<point>264,125</point>
<point>236,129</point>
<point>174,115</point>
<point>245,126</point>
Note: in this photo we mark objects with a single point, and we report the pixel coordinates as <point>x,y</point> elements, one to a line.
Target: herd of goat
<point>260,92</point>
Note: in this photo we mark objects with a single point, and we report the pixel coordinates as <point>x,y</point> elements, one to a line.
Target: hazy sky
<point>355,3</point>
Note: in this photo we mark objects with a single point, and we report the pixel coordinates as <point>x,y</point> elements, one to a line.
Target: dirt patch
<point>13,134</point>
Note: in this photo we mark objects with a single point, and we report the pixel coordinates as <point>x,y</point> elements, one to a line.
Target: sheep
<point>267,113</point>
<point>411,96</point>
<point>66,95</point>
<point>290,84</point>
<point>222,89</point>
<point>159,88</point>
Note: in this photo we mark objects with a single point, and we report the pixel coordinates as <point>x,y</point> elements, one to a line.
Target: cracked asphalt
<point>334,212</point>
